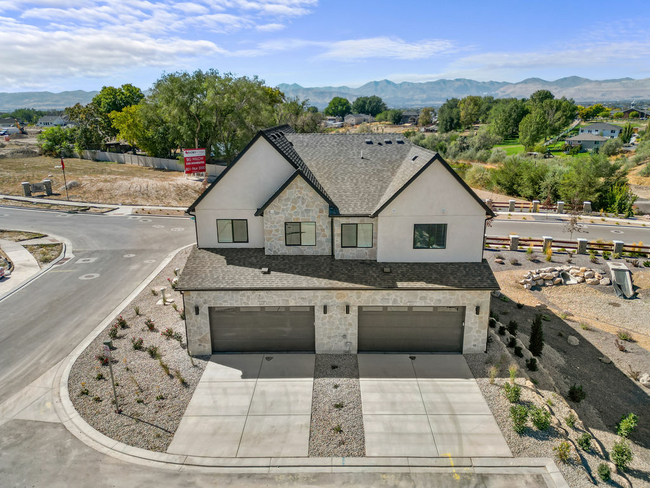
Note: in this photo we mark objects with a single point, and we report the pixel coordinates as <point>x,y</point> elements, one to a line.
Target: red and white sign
<point>194,161</point>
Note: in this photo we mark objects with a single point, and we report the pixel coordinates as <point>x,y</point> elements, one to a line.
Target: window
<point>232,230</point>
<point>430,236</point>
<point>356,235</point>
<point>300,233</point>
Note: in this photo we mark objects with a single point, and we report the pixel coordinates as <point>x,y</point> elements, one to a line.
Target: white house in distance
<point>54,120</point>
<point>356,119</point>
<point>602,129</point>
<point>337,243</point>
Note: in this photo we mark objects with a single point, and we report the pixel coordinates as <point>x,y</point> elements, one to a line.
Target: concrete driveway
<point>249,405</point>
<point>427,405</point>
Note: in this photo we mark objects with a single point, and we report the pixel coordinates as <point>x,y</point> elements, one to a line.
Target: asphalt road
<point>43,322</point>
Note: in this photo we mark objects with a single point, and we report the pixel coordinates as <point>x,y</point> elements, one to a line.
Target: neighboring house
<point>6,122</point>
<point>410,117</point>
<point>333,121</point>
<point>54,120</point>
<point>337,243</point>
<point>643,113</point>
<point>356,119</point>
<point>588,142</point>
<point>609,131</point>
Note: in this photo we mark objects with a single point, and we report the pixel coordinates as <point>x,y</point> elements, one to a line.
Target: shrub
<point>136,310</point>
<point>112,332</point>
<point>576,394</point>
<point>529,250</point>
<point>168,333</point>
<point>499,256</point>
<point>512,342</point>
<point>562,451</point>
<point>584,441</point>
<point>337,428</point>
<point>153,351</point>
<point>512,370</point>
<point>536,337</point>
<point>137,343</point>
<point>492,322</point>
<point>164,366</point>
<point>520,305</point>
<point>492,372</point>
<point>102,358</point>
<point>180,377</point>
<point>606,255</point>
<point>339,405</point>
<point>178,336</point>
<point>150,324</point>
<point>494,315</point>
<point>514,262</point>
<point>519,352</point>
<point>121,322</point>
<point>99,376</point>
<point>502,330</point>
<point>175,307</point>
<point>531,364</point>
<point>622,454</point>
<point>97,399</point>
<point>154,292</point>
<point>540,417</point>
<point>627,424</point>
<point>182,314</point>
<point>519,416</point>
<point>512,327</point>
<point>571,420</point>
<point>513,392</point>
<point>624,335</point>
<point>549,254</point>
<point>160,397</point>
<point>604,471</point>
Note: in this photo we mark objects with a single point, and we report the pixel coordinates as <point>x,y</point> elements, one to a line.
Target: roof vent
<point>414,157</point>
<point>368,141</point>
<point>386,269</point>
<point>281,133</point>
<point>387,141</point>
<point>399,141</point>
<point>266,271</point>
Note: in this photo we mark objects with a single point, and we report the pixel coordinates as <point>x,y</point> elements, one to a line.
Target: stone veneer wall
<point>297,203</point>
<point>354,252</point>
<point>336,332</point>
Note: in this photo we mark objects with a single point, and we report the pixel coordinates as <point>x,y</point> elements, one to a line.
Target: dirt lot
<point>45,253</point>
<point>101,182</point>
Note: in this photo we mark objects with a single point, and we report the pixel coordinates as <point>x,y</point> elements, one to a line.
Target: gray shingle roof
<point>359,186</point>
<point>601,126</point>
<point>239,269</point>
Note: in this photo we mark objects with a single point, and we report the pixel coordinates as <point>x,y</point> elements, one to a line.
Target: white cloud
<point>387,47</point>
<point>191,8</point>
<point>270,27</point>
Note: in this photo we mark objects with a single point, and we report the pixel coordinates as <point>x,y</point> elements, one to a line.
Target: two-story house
<point>356,119</point>
<point>337,243</point>
<point>602,129</point>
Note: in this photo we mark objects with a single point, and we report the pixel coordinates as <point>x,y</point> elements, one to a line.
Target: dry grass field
<point>101,182</point>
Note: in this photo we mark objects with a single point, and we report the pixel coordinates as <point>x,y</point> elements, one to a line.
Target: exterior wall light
<point>478,310</point>
<point>347,309</point>
<point>324,309</point>
<point>196,309</point>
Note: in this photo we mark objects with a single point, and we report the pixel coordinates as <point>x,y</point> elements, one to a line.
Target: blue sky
<point>59,45</point>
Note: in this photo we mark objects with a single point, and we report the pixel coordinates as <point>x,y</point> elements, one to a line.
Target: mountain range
<point>397,95</point>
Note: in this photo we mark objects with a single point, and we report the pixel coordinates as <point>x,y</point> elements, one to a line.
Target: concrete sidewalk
<point>25,265</point>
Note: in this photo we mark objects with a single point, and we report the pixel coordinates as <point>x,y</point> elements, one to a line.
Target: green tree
<point>533,128</point>
<point>393,116</point>
<point>57,141</point>
<point>426,116</point>
<point>506,116</point>
<point>612,146</point>
<point>338,107</point>
<point>449,116</point>
<point>129,124</point>
<point>111,99</point>
<point>626,133</point>
<point>536,344</point>
<point>372,105</point>
<point>28,115</point>
<point>559,113</point>
<point>298,115</point>
<point>539,97</point>
<point>470,109</point>
<point>634,115</point>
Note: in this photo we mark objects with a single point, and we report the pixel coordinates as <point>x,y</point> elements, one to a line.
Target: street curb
<point>94,439</point>
<point>66,252</point>
<point>582,218</point>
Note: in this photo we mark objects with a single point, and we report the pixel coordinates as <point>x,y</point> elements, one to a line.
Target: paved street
<point>42,323</point>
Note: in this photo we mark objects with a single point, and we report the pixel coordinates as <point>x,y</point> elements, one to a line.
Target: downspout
<point>196,227</point>
<point>332,235</point>
<point>186,336</point>
<point>484,239</point>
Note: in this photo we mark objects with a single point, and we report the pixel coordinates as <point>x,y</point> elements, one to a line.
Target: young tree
<point>449,116</point>
<point>506,116</point>
<point>532,128</point>
<point>470,109</point>
<point>426,116</point>
<point>573,225</point>
<point>536,336</point>
<point>626,133</point>
<point>338,107</point>
<point>372,105</point>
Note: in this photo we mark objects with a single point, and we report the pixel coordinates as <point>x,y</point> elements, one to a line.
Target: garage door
<point>262,329</point>
<point>411,329</point>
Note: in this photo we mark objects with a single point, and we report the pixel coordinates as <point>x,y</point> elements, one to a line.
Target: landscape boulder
<point>498,261</point>
<point>644,379</point>
<point>605,360</point>
<point>573,340</point>
<point>605,281</point>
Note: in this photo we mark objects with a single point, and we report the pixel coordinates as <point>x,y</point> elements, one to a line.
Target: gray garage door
<point>262,329</point>
<point>411,329</point>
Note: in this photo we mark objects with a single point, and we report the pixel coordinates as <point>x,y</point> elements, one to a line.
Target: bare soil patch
<point>45,253</point>
<point>153,392</point>
<point>159,211</point>
<point>101,182</point>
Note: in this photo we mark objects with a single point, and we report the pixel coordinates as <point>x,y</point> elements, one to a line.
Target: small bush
<point>531,364</point>
<point>624,335</point>
<point>512,342</point>
<point>584,441</point>
<point>164,366</point>
<point>84,392</point>
<point>168,333</point>
<point>97,399</point>
<point>150,324</point>
<point>112,332</point>
<point>622,454</point>
<point>502,330</point>
<point>121,322</point>
<point>604,471</point>
<point>175,307</point>
<point>514,261</point>
<point>99,376</point>
<point>512,327</point>
<point>520,305</point>
<point>178,336</point>
<point>512,370</point>
<point>136,310</point>
<point>499,256</point>
<point>139,400</point>
<point>519,416</point>
<point>571,420</point>
<point>576,393</point>
<point>537,336</point>
<point>337,428</point>
<point>154,292</point>
<point>540,417</point>
<point>180,377</point>
<point>494,315</point>
<point>606,255</point>
<point>529,250</point>
<point>512,392</point>
<point>492,372</point>
<point>160,397</point>
<point>181,314</point>
<point>153,351</point>
<point>339,405</point>
<point>519,352</point>
<point>102,358</point>
<point>584,326</point>
<point>137,343</point>
<point>562,451</point>
<point>627,424</point>
<point>492,322</point>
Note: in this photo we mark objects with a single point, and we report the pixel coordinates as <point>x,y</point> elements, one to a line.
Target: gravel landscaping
<point>336,416</point>
<point>153,393</point>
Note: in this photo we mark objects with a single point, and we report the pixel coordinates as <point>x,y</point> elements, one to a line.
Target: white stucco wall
<point>336,332</point>
<point>435,197</point>
<point>244,189</point>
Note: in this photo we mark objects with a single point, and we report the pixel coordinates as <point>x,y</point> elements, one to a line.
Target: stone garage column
<point>27,191</point>
<point>514,243</point>
<point>560,207</point>
<point>586,207</point>
<point>535,206</point>
<point>511,205</point>
<point>548,242</point>
<point>582,245</point>
<point>618,247</point>
<point>199,341</point>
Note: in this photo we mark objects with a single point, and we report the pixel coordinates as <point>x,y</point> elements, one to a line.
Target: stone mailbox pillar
<point>511,205</point>
<point>586,207</point>
<point>618,247</point>
<point>560,207</point>
<point>535,206</point>
<point>27,191</point>
<point>514,243</point>
<point>582,245</point>
<point>48,187</point>
<point>548,242</point>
